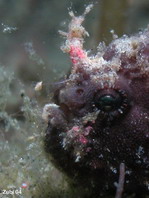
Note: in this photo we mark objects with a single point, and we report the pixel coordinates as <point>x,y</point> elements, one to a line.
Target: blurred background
<point>29,53</point>
<point>29,39</point>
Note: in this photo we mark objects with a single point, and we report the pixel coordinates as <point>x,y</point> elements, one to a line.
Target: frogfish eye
<point>110,100</point>
<point>108,103</point>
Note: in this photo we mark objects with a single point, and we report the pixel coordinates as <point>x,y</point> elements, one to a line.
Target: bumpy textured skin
<point>88,141</point>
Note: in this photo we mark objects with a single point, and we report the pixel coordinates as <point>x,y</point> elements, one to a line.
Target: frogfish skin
<point>98,120</point>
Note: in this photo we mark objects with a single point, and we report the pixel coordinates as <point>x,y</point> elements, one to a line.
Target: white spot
<point>107,149</point>
<point>47,110</point>
<point>115,184</point>
<point>78,158</point>
<point>140,151</point>
<point>100,156</point>
<point>147,184</point>
<point>128,172</point>
<point>8,29</point>
<point>38,86</point>
<point>114,170</point>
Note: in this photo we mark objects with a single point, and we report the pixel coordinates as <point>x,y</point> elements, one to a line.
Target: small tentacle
<point>120,186</point>
<point>75,39</point>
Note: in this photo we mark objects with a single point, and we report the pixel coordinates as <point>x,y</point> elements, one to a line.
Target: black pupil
<point>108,103</point>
